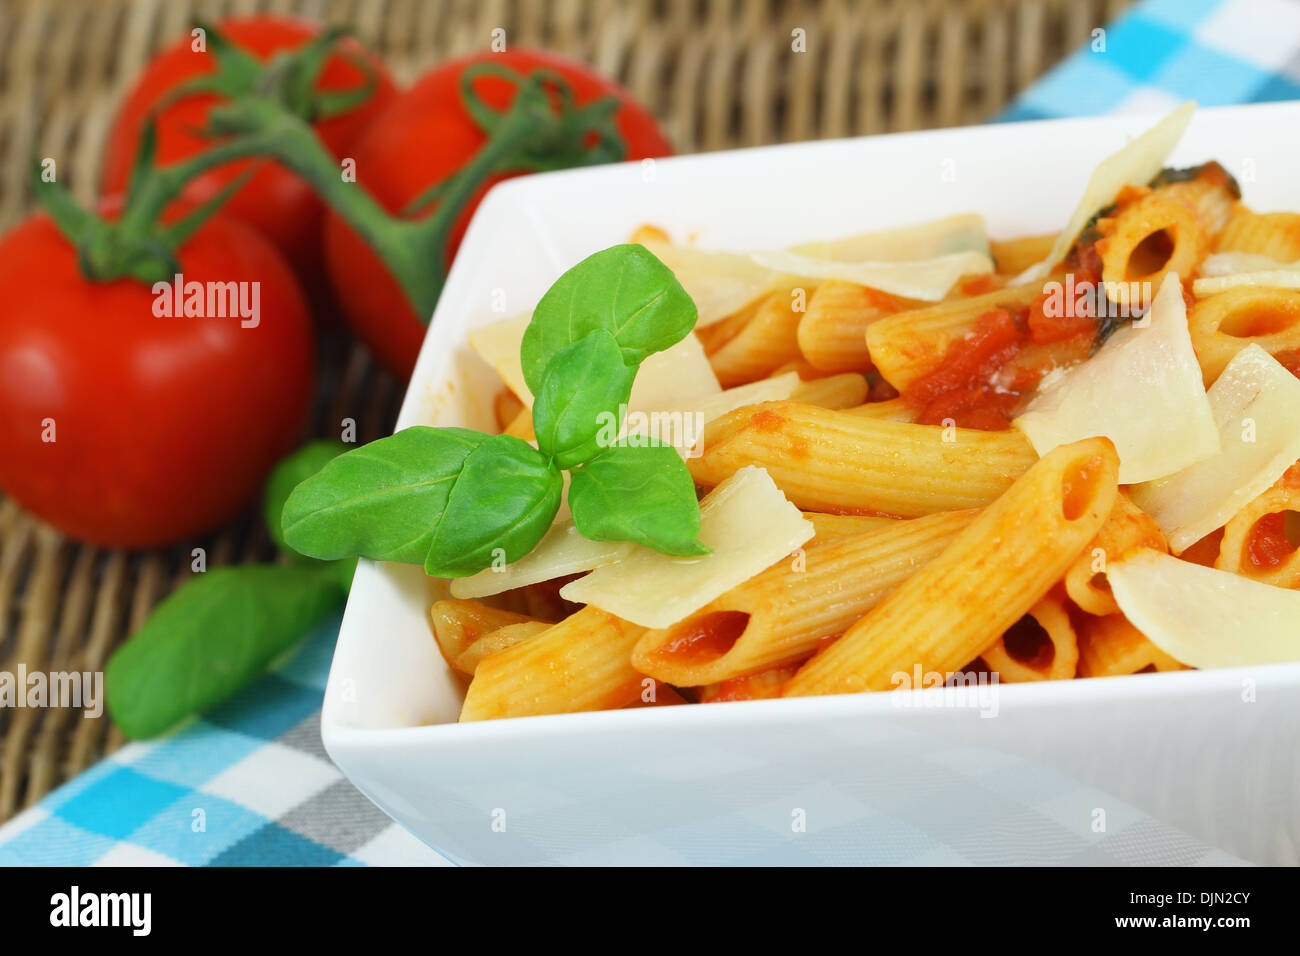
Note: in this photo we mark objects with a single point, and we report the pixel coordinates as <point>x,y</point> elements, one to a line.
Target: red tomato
<point>425,136</point>
<point>162,428</point>
<point>276,201</point>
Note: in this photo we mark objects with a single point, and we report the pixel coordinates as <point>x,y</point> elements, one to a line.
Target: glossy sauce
<point>704,639</point>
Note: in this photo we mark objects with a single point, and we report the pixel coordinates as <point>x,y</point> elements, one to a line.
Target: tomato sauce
<point>761,686</point>
<point>1268,546</point>
<point>705,639</point>
<point>974,386</point>
<point>1290,360</point>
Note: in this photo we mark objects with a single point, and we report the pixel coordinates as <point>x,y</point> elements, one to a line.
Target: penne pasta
<point>908,345</point>
<point>1260,540</point>
<point>834,526</point>
<point>832,391</point>
<point>1224,324</point>
<point>507,407</point>
<point>1274,234</point>
<point>494,642</point>
<point>581,663</point>
<point>833,332</point>
<point>1126,527</point>
<point>781,615</point>
<point>991,574</point>
<point>764,685</point>
<point>893,410</point>
<point>1042,645</point>
<point>767,340</point>
<point>1110,646</point>
<point>458,624</point>
<point>840,462</point>
<point>1150,238</point>
<point>521,426</point>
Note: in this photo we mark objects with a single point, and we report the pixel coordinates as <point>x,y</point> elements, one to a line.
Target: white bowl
<point>1162,768</point>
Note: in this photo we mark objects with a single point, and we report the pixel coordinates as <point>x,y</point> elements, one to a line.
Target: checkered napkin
<point>250,783</point>
<point>247,785</point>
<point>1163,52</point>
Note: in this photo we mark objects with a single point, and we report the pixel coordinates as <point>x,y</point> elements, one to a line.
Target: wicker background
<point>719,73</point>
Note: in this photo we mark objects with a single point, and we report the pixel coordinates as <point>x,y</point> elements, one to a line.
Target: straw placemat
<point>719,73</point>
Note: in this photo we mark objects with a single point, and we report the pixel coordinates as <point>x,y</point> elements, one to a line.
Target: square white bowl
<point>1162,768</point>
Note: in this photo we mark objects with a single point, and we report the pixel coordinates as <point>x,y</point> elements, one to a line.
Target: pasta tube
<point>840,462</point>
<point>582,663</point>
<point>782,614</point>
<point>991,574</point>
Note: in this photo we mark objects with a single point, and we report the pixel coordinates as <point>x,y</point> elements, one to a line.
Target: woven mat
<point>720,74</point>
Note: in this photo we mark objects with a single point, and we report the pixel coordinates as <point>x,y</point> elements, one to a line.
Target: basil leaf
<point>642,494</point>
<point>624,290</point>
<point>582,399</point>
<point>382,500</point>
<point>292,470</point>
<point>504,500</point>
<point>210,637</point>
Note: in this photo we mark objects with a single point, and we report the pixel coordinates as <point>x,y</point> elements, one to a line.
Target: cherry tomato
<point>423,137</point>
<point>128,428</point>
<point>279,203</point>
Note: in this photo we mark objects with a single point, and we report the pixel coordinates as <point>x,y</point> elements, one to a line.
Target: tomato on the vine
<point>129,428</point>
<point>281,205</point>
<point>425,136</point>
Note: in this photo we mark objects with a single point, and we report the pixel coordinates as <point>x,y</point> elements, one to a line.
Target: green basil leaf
<point>291,471</point>
<point>212,636</point>
<point>381,501</point>
<point>505,498</point>
<point>643,494</point>
<point>625,290</point>
<point>582,399</point>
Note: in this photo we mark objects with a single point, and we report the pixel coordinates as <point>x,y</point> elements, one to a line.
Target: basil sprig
<point>458,501</point>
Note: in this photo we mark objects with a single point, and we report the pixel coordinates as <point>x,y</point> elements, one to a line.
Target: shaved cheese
<point>1204,617</point>
<point>561,551</point>
<point>1230,263</point>
<point>720,283</point>
<point>926,279</point>
<point>724,283</point>
<point>774,389</point>
<point>681,373</point>
<point>1256,407</point>
<point>747,522</point>
<point>498,345</point>
<point>1143,390</point>
<point>682,424</point>
<point>1281,277</point>
<point>1134,165</point>
<point>926,240</point>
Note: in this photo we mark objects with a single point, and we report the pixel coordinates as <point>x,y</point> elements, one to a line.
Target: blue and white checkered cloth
<point>251,784</point>
<point>1161,53</point>
<point>248,784</point>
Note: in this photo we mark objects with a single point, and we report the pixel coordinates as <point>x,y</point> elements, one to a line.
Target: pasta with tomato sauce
<point>941,460</point>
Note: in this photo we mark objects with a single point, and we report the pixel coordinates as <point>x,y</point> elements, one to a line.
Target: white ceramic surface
<point>1170,764</point>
